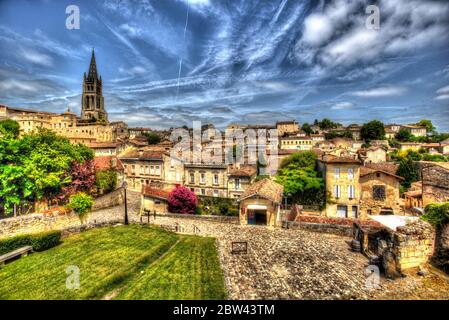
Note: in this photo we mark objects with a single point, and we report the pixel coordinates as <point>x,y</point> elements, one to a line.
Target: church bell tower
<point>92,103</point>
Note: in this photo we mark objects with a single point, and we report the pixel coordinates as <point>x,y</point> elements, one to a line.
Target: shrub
<point>106,180</point>
<point>81,203</point>
<point>182,200</point>
<point>39,241</point>
<point>437,214</point>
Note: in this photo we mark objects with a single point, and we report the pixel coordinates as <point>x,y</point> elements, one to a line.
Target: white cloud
<point>317,29</point>
<point>17,85</point>
<point>442,97</point>
<point>380,92</point>
<point>443,89</point>
<point>335,33</point>
<point>37,58</point>
<point>342,105</point>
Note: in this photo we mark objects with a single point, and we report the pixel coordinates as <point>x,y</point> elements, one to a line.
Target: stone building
<point>206,179</point>
<point>154,200</point>
<point>143,168</point>
<point>260,203</point>
<point>92,101</point>
<point>373,155</point>
<point>92,126</point>
<point>417,131</point>
<point>296,143</point>
<point>341,177</point>
<point>435,181</point>
<point>379,193</point>
<point>285,127</point>
<point>239,179</point>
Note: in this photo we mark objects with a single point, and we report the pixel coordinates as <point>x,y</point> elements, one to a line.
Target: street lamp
<point>124,184</point>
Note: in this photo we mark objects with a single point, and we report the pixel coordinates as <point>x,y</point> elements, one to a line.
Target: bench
<point>16,253</point>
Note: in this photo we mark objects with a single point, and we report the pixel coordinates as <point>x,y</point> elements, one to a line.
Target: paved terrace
<point>291,264</point>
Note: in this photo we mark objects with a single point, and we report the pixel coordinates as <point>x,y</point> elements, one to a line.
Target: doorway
<point>257,217</point>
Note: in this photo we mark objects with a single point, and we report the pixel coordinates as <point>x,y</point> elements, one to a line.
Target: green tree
<point>327,124</point>
<point>81,203</point>
<point>437,214</point>
<point>300,179</point>
<point>36,166</point>
<point>306,128</point>
<point>373,130</point>
<point>10,128</point>
<point>408,171</point>
<point>106,180</point>
<point>152,137</point>
<point>403,135</point>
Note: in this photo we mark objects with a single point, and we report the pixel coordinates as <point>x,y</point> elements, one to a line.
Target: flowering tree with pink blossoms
<point>182,200</point>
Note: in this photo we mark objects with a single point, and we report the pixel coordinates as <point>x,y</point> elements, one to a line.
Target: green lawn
<point>126,262</point>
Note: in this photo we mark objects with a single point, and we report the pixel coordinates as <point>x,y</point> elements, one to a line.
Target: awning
<point>393,221</point>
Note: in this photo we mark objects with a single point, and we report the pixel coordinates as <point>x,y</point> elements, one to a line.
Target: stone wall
<point>37,222</point>
<point>341,230</point>
<point>111,199</point>
<point>227,219</point>
<point>435,179</point>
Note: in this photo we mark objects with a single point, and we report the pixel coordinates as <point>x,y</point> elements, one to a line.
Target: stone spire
<point>92,75</point>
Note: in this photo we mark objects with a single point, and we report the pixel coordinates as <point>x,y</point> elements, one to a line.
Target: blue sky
<point>241,61</point>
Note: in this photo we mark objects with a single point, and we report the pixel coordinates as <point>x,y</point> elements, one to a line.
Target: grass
<point>111,260</point>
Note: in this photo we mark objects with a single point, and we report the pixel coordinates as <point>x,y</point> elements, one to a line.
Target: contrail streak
<point>183,40</point>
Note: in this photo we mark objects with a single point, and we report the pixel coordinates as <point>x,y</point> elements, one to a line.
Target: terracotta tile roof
<point>413,193</point>
<point>335,159</point>
<point>266,188</point>
<point>366,170</point>
<point>107,162</point>
<point>243,171</point>
<point>389,167</point>
<point>155,193</point>
<point>143,154</point>
<point>95,145</point>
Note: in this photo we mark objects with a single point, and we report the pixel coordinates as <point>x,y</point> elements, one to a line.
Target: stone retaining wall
<point>227,219</point>
<point>341,230</point>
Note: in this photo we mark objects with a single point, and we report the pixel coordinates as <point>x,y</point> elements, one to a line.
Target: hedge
<point>39,241</point>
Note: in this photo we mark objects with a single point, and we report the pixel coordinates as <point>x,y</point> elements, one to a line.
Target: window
<point>192,177</point>
<point>350,173</point>
<point>337,190</point>
<point>342,211</point>
<point>351,192</point>
<point>215,178</point>
<point>237,183</point>
<point>203,192</point>
<point>379,193</point>
<point>147,169</point>
<point>202,178</point>
<point>354,212</point>
<point>215,193</point>
<point>158,170</point>
<point>337,173</point>
<point>152,170</point>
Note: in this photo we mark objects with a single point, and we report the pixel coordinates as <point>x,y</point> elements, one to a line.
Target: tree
<point>373,130</point>
<point>82,179</point>
<point>81,203</point>
<point>408,171</point>
<point>9,127</point>
<point>333,134</point>
<point>182,200</point>
<point>106,180</point>
<point>300,179</point>
<point>326,124</point>
<point>36,166</point>
<point>403,135</point>
<point>307,129</point>
<point>152,137</point>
